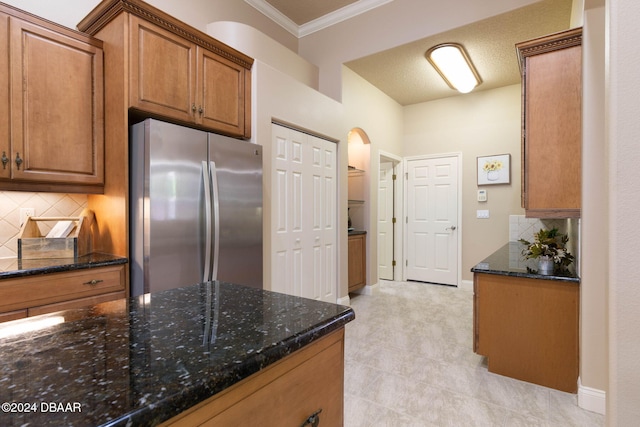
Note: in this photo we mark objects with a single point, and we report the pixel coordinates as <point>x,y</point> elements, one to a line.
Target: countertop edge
<point>575,280</point>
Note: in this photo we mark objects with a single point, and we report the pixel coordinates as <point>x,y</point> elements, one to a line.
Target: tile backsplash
<point>521,227</point>
<point>45,204</point>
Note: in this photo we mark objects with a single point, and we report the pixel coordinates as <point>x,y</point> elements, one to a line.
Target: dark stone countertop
<point>143,360</point>
<point>509,261</point>
<point>15,267</point>
<point>356,232</point>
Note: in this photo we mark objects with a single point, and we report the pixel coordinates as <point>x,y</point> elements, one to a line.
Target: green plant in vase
<point>549,247</point>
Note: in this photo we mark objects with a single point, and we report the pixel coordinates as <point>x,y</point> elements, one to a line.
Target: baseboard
<point>368,290</point>
<point>592,399</point>
<point>344,300</point>
<point>467,285</point>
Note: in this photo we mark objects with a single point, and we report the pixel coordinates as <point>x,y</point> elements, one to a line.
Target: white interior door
<point>304,215</point>
<point>432,220</point>
<point>385,221</point>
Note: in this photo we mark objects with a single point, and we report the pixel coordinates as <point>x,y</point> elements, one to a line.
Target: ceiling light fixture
<point>453,64</point>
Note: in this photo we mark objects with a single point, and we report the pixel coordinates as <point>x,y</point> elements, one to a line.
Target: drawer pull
<point>93,282</point>
<point>313,420</point>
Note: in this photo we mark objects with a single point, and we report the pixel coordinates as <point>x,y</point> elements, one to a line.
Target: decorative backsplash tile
<point>45,204</point>
<point>521,227</point>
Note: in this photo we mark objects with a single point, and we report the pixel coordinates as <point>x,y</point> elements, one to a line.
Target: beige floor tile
<point>409,362</point>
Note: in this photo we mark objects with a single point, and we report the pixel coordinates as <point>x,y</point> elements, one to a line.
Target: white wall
<point>477,124</point>
<point>623,133</point>
<point>594,265</point>
<point>381,119</point>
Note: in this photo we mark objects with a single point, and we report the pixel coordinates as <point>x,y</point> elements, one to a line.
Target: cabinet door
<point>304,217</point>
<point>221,94</point>
<point>5,152</point>
<point>57,107</point>
<point>552,128</point>
<point>357,263</point>
<point>162,72</point>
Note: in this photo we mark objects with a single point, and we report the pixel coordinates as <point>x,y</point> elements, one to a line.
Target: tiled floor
<point>409,362</point>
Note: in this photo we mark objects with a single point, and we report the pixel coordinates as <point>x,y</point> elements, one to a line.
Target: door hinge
<point>406,220</point>
<point>393,263</point>
<point>394,177</point>
<point>393,220</point>
<point>406,263</point>
<point>406,175</point>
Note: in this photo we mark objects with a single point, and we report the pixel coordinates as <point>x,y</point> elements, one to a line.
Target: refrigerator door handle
<point>216,219</point>
<point>207,212</point>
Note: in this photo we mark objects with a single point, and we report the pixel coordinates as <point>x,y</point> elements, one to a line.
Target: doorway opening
<point>389,217</point>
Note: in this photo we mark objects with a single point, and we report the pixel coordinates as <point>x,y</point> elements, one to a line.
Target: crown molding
<point>318,24</point>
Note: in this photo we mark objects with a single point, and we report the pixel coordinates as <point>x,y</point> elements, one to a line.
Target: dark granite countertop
<point>14,267</point>
<point>356,232</point>
<point>509,261</point>
<point>143,360</point>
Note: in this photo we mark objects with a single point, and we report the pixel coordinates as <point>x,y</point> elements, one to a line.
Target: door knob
<point>452,228</point>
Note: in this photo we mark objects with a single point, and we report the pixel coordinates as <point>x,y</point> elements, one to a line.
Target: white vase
<point>493,175</point>
<point>545,266</point>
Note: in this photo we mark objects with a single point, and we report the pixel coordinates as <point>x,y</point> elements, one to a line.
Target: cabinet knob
<point>193,107</point>
<point>18,160</point>
<point>5,160</point>
<point>200,110</point>
<point>313,420</point>
<point>93,282</point>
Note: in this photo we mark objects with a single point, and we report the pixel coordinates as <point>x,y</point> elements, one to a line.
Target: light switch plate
<point>482,214</point>
<point>482,195</point>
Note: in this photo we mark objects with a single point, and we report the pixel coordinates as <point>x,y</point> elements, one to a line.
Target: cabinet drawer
<point>76,303</point>
<point>45,289</point>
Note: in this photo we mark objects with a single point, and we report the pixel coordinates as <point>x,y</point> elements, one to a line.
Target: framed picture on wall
<point>494,169</point>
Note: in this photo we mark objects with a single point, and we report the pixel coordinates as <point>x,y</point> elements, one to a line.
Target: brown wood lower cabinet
<point>284,394</point>
<point>357,261</point>
<point>528,328</point>
<point>46,293</point>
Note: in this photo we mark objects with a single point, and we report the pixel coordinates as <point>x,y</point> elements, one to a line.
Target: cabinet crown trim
<point>108,10</point>
<point>548,43</point>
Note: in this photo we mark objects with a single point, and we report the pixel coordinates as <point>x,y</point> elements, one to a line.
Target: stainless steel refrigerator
<point>196,208</point>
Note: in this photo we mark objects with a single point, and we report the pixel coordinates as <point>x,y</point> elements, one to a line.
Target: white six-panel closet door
<point>304,215</point>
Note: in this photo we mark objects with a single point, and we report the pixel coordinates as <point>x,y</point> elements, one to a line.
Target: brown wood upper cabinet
<point>51,106</point>
<point>552,124</point>
<point>177,72</point>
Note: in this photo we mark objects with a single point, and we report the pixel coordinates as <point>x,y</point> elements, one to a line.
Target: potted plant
<point>549,248</point>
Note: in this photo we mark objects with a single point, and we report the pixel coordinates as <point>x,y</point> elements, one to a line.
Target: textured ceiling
<point>303,11</point>
<point>404,74</point>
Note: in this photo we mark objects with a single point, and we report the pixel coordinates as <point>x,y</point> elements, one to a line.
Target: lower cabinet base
<point>528,329</point>
<point>284,394</point>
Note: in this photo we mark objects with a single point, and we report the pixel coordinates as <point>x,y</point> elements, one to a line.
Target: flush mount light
<point>453,64</point>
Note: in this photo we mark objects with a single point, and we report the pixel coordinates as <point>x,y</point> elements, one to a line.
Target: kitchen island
<point>526,324</point>
<point>154,358</point>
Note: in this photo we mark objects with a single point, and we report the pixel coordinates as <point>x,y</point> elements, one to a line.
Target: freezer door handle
<point>207,212</point>
<point>216,219</point>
